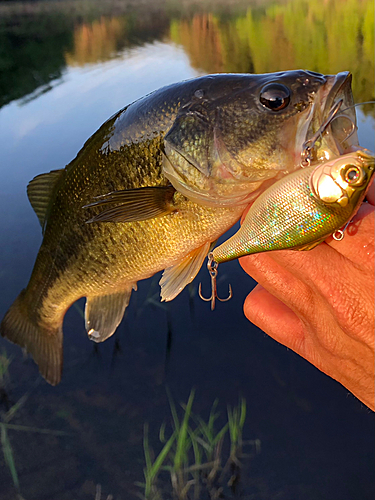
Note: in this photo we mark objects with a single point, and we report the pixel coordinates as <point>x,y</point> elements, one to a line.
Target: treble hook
<point>212,269</point>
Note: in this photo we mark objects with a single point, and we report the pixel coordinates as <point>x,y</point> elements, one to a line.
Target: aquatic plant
<point>193,455</point>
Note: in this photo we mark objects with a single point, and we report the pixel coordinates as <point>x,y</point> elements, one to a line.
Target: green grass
<point>236,421</point>
<point>190,461</point>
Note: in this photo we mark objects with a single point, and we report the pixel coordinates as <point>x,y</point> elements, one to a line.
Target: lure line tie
<point>340,233</point>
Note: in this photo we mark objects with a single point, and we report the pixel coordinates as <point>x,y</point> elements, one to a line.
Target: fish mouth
<point>333,127</point>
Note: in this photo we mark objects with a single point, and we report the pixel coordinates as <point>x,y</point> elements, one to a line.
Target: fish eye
<point>275,96</point>
<point>353,175</point>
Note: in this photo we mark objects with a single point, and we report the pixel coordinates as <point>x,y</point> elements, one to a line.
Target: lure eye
<point>275,96</point>
<point>353,175</point>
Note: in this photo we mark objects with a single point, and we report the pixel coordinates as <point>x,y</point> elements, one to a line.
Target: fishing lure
<point>301,210</point>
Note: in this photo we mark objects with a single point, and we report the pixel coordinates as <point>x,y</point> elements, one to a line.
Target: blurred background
<point>65,67</point>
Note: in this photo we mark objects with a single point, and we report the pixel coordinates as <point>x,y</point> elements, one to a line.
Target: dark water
<point>66,67</point>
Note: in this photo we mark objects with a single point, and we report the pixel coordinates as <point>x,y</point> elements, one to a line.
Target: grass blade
<point>26,428</point>
<point>162,433</point>
<point>8,455</point>
<point>162,455</point>
<point>152,470</point>
<point>174,412</point>
<point>146,447</point>
<point>13,410</point>
<point>182,439</point>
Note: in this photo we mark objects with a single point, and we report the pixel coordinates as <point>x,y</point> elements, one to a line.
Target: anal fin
<point>104,313</point>
<point>176,277</point>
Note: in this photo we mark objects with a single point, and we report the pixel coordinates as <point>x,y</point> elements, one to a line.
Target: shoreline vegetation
<point>41,38</point>
<point>115,7</point>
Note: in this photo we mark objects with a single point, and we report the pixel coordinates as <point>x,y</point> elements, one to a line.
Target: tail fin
<point>44,345</point>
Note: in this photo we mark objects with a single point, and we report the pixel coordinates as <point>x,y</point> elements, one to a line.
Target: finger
<point>370,196</point>
<point>284,326</point>
<point>332,353</point>
<point>358,242</point>
<point>306,284</point>
<point>280,280</point>
<point>275,318</point>
<point>288,272</point>
<point>357,247</point>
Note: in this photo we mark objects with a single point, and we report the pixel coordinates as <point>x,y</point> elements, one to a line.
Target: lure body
<point>302,209</point>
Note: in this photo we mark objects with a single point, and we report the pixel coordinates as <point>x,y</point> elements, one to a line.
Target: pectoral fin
<point>104,313</point>
<point>176,277</point>
<point>134,204</point>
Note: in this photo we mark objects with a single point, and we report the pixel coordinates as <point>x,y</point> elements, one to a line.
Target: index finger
<point>370,195</point>
<point>358,242</point>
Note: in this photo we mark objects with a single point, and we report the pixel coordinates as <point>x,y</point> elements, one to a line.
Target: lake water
<point>65,67</point>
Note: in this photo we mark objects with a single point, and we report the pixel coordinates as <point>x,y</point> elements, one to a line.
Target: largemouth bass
<point>156,185</point>
<point>302,210</point>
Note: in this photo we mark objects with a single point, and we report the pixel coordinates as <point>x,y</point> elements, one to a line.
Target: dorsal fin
<point>39,192</point>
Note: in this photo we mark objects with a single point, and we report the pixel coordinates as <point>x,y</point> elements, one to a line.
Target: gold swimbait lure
<point>301,210</point>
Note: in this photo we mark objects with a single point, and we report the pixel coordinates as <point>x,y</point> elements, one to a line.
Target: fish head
<point>237,134</point>
<point>344,180</point>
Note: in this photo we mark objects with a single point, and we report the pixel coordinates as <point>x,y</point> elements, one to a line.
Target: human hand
<point>320,303</point>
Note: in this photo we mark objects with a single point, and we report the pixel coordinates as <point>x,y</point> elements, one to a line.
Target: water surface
<point>65,68</point>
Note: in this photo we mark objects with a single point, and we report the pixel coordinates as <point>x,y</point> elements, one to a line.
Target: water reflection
<point>260,38</point>
<point>96,42</point>
<point>202,40</point>
<point>291,35</point>
<point>105,38</point>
